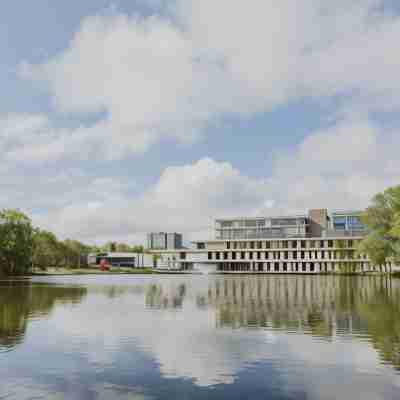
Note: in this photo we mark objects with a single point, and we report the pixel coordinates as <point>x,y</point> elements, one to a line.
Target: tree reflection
<point>21,301</point>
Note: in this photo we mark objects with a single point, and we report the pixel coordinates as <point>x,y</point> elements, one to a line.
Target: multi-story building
<point>164,241</point>
<point>320,241</point>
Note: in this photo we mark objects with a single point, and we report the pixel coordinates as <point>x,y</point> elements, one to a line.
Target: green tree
<point>46,250</point>
<point>123,248</point>
<point>16,242</point>
<point>76,252</point>
<point>382,218</point>
<point>377,248</point>
<point>138,249</point>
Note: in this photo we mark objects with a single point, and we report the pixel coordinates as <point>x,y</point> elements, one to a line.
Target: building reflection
<point>326,307</point>
<point>366,308</point>
<point>161,297</point>
<point>22,301</point>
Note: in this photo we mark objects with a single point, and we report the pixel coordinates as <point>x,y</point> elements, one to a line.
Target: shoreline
<point>150,271</point>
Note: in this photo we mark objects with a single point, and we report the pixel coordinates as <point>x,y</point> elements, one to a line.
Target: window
<point>268,266</point>
<point>294,244</point>
<point>303,244</point>
<point>235,245</point>
<point>276,267</point>
<point>242,255</point>
<point>330,243</point>
<point>312,244</point>
<point>201,246</point>
<point>286,255</point>
<point>217,256</point>
<point>259,245</point>
<point>303,267</point>
<point>312,267</point>
<point>228,245</point>
<point>294,255</point>
<point>225,255</point>
<point>233,255</point>
<point>251,255</point>
<point>267,245</point>
<point>183,256</point>
<point>209,255</point>
<point>350,243</point>
<point>302,255</point>
<point>339,223</point>
<point>252,245</point>
<point>321,244</point>
<point>258,255</point>
<point>285,267</point>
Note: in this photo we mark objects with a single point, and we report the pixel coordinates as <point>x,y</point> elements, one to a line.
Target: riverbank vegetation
<point>382,218</point>
<point>26,249</point>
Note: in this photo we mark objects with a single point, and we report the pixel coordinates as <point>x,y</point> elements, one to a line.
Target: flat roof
<point>261,218</point>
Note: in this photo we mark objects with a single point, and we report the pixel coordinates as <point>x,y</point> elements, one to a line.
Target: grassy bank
<point>91,271</point>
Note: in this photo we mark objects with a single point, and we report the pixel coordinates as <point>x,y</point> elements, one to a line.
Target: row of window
<point>284,255</point>
<point>289,244</point>
<point>283,267</point>
<point>260,267</point>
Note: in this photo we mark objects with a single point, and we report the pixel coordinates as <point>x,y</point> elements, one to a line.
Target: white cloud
<point>184,199</point>
<point>340,167</point>
<point>154,77</point>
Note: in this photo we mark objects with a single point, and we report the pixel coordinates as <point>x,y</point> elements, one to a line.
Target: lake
<point>200,337</point>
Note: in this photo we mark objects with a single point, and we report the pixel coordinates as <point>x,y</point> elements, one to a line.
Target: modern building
<point>133,260</point>
<point>164,241</point>
<point>316,242</point>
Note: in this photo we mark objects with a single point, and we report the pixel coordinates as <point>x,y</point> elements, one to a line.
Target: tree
<point>46,250</point>
<point>76,252</point>
<point>377,248</point>
<point>138,249</point>
<point>383,221</point>
<point>16,242</point>
<point>123,248</point>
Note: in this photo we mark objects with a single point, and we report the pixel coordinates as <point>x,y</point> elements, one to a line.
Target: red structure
<point>104,265</point>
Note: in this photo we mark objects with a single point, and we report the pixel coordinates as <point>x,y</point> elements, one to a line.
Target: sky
<point>120,118</point>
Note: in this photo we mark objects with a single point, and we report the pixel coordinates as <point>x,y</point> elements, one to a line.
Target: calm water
<point>200,337</point>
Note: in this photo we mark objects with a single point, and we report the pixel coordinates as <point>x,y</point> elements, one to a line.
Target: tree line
<point>24,248</point>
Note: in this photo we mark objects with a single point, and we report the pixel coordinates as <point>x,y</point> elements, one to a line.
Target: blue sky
<point>119,118</point>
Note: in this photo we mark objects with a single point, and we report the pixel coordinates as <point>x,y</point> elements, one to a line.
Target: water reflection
<point>281,337</point>
<point>21,301</point>
<point>324,306</point>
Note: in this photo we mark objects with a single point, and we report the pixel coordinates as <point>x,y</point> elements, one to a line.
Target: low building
<point>316,242</point>
<point>132,260</point>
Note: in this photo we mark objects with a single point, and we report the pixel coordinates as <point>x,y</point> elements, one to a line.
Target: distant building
<point>319,241</point>
<point>164,241</point>
<point>133,260</point>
